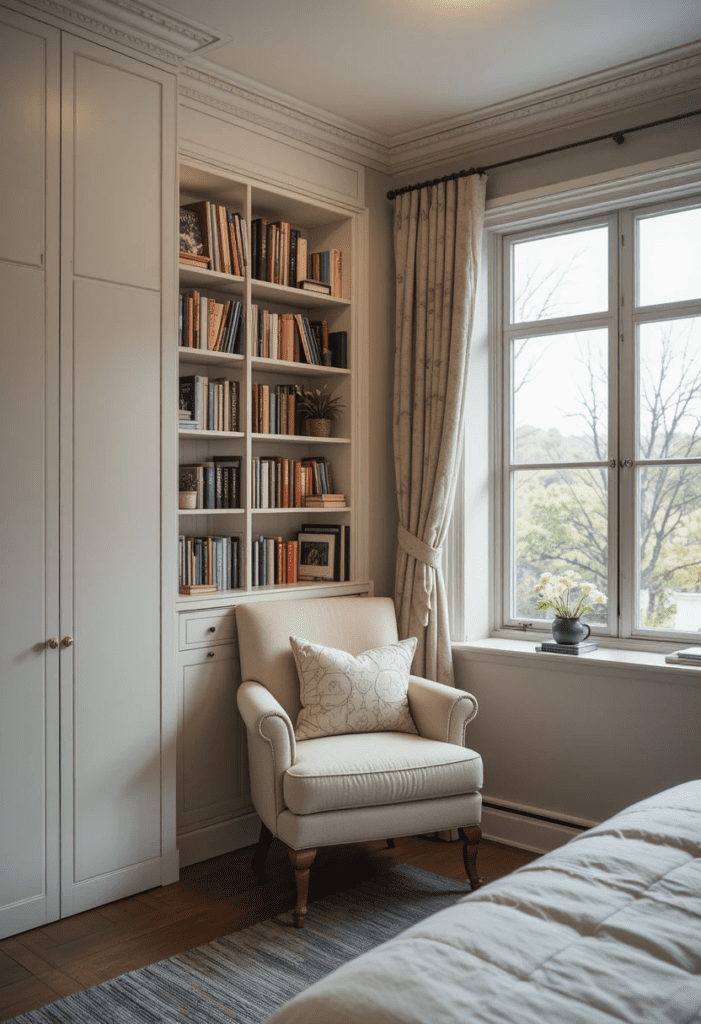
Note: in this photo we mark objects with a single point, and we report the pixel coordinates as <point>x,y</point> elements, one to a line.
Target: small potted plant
<point>317,410</point>
<point>557,592</point>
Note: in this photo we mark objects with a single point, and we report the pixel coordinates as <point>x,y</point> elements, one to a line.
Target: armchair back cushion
<point>347,623</point>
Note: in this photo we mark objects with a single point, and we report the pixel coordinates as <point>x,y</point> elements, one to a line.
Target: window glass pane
<point>560,275</point>
<point>669,546</point>
<point>560,522</point>
<point>669,257</point>
<point>560,397</point>
<point>669,388</point>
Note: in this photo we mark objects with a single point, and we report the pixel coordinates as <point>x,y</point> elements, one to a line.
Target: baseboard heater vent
<point>528,828</point>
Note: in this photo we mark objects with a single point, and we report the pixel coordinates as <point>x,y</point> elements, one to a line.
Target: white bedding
<point>604,929</point>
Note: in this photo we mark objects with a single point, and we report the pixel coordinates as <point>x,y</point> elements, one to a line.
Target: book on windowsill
<point>550,647</point>
<point>314,286</point>
<point>687,656</point>
<point>199,588</point>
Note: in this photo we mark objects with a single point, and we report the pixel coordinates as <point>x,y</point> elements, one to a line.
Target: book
<point>338,531</point>
<point>310,285</point>
<point>195,230</point>
<point>198,588</point>
<point>338,347</point>
<point>690,652</point>
<point>678,659</point>
<point>550,647</point>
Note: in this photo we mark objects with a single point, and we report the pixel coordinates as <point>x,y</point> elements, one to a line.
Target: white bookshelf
<point>324,226</point>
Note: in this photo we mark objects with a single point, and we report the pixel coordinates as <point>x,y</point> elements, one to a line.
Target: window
<point>601,417</point>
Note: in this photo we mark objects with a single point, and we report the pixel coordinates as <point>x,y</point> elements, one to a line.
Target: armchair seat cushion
<point>373,769</point>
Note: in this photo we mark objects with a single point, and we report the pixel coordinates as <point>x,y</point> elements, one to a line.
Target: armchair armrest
<point>272,748</point>
<point>440,712</point>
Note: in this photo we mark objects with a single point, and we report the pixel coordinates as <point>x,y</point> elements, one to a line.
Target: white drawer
<point>199,629</point>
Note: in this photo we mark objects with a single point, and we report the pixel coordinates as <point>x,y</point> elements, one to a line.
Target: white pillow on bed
<point>343,694</point>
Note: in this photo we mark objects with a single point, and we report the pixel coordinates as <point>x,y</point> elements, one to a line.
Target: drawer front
<point>199,629</point>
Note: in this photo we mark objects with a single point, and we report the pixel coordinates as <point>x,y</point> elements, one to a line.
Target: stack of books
<point>325,501</point>
<point>687,656</point>
<point>550,647</point>
<point>274,561</point>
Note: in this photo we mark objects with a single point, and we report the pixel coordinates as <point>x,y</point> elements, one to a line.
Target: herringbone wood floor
<point>211,899</point>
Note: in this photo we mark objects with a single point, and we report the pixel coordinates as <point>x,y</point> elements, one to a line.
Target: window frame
<point>473,562</point>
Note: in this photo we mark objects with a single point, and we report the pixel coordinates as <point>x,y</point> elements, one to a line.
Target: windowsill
<point>604,660</point>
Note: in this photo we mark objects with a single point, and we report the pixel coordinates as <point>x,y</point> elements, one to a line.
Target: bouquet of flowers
<point>556,592</point>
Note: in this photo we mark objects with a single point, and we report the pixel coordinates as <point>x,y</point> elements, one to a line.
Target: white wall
<point>555,738</point>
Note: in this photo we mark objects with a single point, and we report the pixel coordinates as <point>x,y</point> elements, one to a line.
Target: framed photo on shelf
<point>316,556</point>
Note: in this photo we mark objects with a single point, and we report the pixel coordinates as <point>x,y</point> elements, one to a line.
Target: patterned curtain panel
<point>437,245</point>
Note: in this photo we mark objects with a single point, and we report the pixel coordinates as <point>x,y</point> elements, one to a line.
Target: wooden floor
<point>211,899</point>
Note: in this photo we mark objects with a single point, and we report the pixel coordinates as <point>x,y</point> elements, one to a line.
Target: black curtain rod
<point>618,138</point>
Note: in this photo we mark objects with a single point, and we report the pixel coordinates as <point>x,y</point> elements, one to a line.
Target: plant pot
<point>187,499</point>
<point>569,631</point>
<point>319,428</point>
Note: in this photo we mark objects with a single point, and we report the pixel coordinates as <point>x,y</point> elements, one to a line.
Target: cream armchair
<point>350,788</point>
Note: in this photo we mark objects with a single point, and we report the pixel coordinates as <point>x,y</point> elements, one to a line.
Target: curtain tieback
<point>417,549</point>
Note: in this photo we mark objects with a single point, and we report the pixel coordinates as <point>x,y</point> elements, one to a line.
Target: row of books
<point>293,337</point>
<point>278,252</point>
<point>211,561</point>
<point>217,482</point>
<point>206,323</point>
<point>208,404</point>
<point>274,560</point>
<point>327,267</point>
<point>318,553</point>
<point>278,482</point>
<point>273,409</point>
<point>213,237</point>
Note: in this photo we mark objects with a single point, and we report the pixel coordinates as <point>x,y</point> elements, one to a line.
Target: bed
<point>604,929</point>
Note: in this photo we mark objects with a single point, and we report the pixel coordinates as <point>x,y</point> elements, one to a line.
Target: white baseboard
<point>213,841</point>
<point>525,832</point>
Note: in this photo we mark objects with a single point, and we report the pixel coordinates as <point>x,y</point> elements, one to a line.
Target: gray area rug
<point>245,976</point>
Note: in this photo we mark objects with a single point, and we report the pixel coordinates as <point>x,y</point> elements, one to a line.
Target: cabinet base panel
<point>214,840</point>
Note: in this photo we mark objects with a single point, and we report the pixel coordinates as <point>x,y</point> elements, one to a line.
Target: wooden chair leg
<point>302,860</point>
<point>471,837</point>
<point>390,844</point>
<point>261,852</point>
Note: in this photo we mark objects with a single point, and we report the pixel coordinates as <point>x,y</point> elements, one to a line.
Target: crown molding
<point>144,27</point>
<point>205,82</point>
<point>617,90</point>
<point>672,73</point>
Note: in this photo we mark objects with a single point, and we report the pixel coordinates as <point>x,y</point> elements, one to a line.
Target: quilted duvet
<point>605,929</point>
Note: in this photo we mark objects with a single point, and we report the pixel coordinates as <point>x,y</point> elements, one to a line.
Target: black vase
<point>569,631</point>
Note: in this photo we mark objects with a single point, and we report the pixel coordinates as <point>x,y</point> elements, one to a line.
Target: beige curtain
<point>437,246</point>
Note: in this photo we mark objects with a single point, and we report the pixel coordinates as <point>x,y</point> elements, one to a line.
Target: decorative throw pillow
<point>342,694</point>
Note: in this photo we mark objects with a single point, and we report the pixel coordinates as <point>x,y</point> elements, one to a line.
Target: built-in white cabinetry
<point>214,812</point>
<point>87,655</point>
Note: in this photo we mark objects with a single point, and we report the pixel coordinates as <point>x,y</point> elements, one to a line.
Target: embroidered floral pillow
<point>342,694</point>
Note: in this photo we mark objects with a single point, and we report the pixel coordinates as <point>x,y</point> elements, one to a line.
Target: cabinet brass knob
<point>212,629</point>
<point>52,643</point>
<point>210,654</point>
<point>67,641</point>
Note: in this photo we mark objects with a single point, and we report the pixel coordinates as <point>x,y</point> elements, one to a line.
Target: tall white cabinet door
<point>29,769</point>
<point>118,182</point>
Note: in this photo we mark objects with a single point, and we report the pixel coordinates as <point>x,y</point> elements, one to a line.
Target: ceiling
<point>396,66</point>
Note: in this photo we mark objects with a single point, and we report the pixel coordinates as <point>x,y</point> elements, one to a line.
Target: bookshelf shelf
<point>212,435</point>
<point>214,280</point>
<point>204,356</point>
<point>300,439</point>
<point>283,366</point>
<point>297,297</point>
